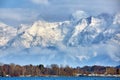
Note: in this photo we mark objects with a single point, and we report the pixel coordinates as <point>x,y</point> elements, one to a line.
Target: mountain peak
<point>79,15</point>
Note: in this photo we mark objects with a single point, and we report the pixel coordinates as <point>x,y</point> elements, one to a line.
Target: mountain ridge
<point>90,29</point>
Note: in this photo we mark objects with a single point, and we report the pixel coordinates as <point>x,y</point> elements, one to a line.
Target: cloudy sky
<point>15,12</point>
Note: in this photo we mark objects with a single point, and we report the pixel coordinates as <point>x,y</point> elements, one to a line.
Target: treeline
<point>52,70</point>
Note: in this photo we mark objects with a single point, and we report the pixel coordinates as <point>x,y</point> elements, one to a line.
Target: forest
<point>13,70</point>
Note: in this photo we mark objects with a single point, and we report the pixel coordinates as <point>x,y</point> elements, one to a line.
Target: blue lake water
<point>59,78</point>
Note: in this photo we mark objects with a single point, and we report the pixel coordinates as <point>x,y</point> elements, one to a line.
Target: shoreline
<point>117,76</point>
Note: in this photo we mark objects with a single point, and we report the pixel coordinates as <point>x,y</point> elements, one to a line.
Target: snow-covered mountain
<point>94,30</point>
<point>85,32</point>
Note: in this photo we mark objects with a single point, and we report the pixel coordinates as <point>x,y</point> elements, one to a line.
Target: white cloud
<point>70,55</point>
<point>45,2</point>
<point>81,58</point>
<point>79,15</point>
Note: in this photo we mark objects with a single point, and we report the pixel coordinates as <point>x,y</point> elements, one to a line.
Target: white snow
<point>6,33</point>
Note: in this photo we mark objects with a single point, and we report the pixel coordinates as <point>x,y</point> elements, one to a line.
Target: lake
<point>59,78</point>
